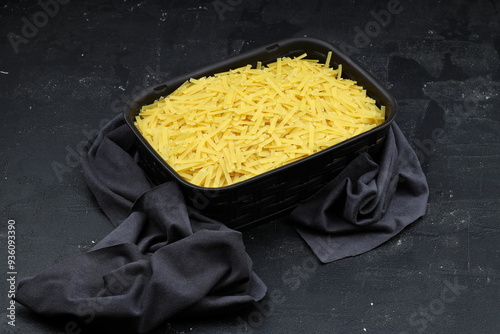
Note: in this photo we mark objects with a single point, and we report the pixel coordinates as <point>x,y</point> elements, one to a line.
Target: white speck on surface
<point>3,72</point>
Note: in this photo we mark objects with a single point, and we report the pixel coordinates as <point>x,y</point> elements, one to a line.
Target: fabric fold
<point>111,170</point>
<point>162,260</point>
<point>368,203</point>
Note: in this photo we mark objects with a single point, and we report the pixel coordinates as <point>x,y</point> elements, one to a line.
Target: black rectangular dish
<point>273,194</point>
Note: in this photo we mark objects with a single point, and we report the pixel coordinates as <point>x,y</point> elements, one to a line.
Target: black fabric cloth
<point>368,203</point>
<point>162,260</point>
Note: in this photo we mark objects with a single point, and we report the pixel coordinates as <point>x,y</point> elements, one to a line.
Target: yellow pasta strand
<point>222,129</point>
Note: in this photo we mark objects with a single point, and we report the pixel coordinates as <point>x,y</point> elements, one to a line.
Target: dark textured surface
<point>439,59</point>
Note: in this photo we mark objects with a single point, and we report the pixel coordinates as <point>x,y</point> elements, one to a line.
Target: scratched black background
<point>61,81</point>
